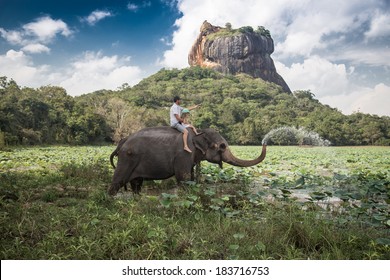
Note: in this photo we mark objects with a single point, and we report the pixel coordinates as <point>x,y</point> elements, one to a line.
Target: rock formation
<point>236,51</point>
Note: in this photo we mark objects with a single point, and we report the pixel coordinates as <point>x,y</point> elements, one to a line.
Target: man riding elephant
<point>177,122</point>
<point>155,153</point>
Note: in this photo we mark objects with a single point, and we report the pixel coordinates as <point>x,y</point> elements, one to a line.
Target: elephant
<point>157,153</point>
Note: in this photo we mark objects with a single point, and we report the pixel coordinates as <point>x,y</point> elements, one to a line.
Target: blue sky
<point>337,49</point>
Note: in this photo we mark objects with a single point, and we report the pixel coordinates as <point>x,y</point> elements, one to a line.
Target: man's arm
<point>194,107</point>
<point>180,120</point>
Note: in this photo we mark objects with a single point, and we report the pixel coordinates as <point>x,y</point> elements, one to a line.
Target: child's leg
<point>184,130</point>
<point>194,129</point>
<point>185,138</point>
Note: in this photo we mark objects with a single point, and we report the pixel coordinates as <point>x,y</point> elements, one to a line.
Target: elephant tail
<point>115,153</point>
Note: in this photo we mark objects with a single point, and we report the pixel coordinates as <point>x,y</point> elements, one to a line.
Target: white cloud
<point>18,66</point>
<point>35,48</point>
<point>373,56</point>
<point>135,7</point>
<point>331,85</point>
<point>97,16</point>
<point>380,26</point>
<point>319,75</point>
<point>44,29</point>
<point>34,36</point>
<point>13,37</point>
<point>94,71</point>
<point>374,101</point>
<point>132,7</point>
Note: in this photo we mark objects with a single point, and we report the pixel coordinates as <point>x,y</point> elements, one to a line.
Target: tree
<point>228,26</point>
<point>371,131</point>
<point>246,29</point>
<point>262,31</point>
<point>122,118</point>
<point>2,140</point>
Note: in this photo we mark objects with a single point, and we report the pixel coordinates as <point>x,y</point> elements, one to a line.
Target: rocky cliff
<point>236,51</point>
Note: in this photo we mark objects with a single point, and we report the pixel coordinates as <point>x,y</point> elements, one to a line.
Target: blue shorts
<point>179,127</point>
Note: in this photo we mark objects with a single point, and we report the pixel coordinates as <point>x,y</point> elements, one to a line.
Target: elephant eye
<point>222,146</point>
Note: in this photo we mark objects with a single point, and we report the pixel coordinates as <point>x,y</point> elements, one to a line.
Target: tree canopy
<point>243,109</point>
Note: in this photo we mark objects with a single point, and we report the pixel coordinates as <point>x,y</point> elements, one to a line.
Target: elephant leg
<point>183,172</point>
<point>136,185</point>
<point>121,175</point>
<point>197,173</point>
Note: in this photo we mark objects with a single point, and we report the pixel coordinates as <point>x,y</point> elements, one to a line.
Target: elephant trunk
<point>228,157</point>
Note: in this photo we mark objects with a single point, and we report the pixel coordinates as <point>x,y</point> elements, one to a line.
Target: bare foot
<point>187,149</point>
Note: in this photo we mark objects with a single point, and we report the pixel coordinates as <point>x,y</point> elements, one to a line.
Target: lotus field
<point>299,203</point>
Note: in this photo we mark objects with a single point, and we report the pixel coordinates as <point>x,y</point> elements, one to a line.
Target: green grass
<point>54,206</point>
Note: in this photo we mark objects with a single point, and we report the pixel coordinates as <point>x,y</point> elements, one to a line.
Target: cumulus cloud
<point>96,16</point>
<point>374,101</point>
<point>88,73</point>
<point>18,66</point>
<point>331,85</point>
<point>44,29</point>
<point>363,99</point>
<point>13,37</point>
<point>317,74</point>
<point>379,27</point>
<point>36,48</point>
<point>34,36</point>
<point>94,71</point>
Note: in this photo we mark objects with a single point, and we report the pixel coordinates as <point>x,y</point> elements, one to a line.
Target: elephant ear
<point>201,142</point>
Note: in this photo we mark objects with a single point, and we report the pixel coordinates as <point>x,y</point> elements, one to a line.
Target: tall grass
<point>63,212</point>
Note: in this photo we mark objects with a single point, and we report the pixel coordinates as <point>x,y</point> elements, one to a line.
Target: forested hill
<point>242,108</point>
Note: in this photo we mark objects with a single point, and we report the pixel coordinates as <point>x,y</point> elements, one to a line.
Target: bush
<point>246,29</point>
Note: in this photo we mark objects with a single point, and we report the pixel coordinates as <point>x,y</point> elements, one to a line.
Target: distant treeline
<point>241,108</point>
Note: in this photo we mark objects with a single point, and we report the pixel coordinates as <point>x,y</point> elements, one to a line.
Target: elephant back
<point>163,137</point>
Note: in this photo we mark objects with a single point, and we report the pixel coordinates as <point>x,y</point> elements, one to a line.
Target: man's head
<point>176,99</point>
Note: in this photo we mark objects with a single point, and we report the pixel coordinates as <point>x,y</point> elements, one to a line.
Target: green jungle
<point>322,199</point>
<point>241,108</point>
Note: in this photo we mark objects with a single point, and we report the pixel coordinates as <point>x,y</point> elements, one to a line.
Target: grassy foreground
<point>300,203</point>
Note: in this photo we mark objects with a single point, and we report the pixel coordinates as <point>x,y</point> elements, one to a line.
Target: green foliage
<point>300,203</point>
<point>46,115</point>
<point>262,31</point>
<point>2,140</point>
<point>243,109</point>
<point>228,26</point>
<point>229,31</point>
<point>246,29</point>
